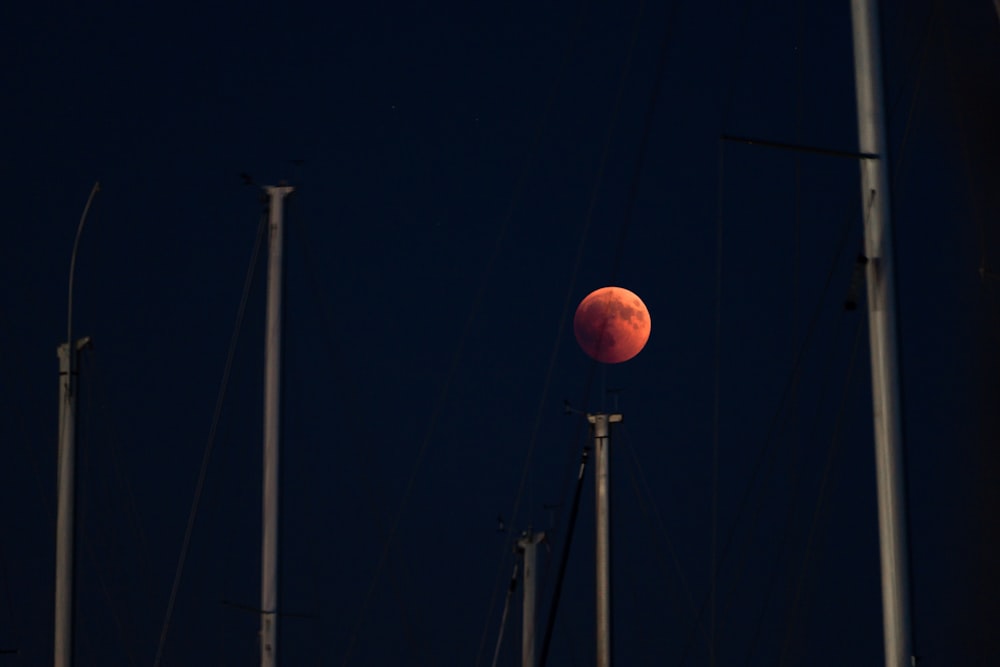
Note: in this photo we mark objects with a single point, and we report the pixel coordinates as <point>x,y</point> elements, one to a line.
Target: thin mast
<point>882,334</point>
<point>66,502</point>
<point>602,440</point>
<point>68,353</point>
<point>528,546</point>
<point>272,389</point>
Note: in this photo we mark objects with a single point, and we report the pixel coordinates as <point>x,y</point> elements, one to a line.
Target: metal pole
<point>528,545</point>
<point>272,376</point>
<point>65,510</point>
<point>602,440</point>
<point>882,334</point>
<point>68,354</point>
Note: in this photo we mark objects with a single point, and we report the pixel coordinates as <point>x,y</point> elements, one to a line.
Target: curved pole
<point>66,472</point>
<point>72,261</point>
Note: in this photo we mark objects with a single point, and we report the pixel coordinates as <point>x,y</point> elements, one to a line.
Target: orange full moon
<point>611,324</point>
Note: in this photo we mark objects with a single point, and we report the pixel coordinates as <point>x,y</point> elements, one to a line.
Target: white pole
<point>528,545</point>
<point>272,377</point>
<point>882,334</point>
<point>602,440</point>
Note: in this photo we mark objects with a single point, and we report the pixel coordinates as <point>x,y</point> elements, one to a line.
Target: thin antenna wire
<point>209,445</point>
<point>716,409</point>
<point>506,609</point>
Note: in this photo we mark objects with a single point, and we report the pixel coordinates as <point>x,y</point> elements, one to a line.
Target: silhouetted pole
<point>272,389</point>
<point>528,546</point>
<point>68,353</point>
<point>66,502</point>
<point>882,334</point>
<point>602,441</point>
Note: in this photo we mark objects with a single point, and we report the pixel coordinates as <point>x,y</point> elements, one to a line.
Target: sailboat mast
<point>69,358</point>
<point>882,334</point>
<point>602,439</point>
<point>66,504</point>
<point>272,394</point>
<point>528,546</point>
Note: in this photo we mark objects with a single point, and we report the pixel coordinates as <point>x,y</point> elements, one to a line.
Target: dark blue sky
<point>464,176</point>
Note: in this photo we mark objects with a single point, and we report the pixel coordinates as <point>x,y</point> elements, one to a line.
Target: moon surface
<point>611,325</point>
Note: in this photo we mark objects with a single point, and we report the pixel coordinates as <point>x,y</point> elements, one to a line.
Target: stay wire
<point>657,526</point>
<point>96,393</point>
<point>793,505</point>
<point>647,128</point>
<point>807,557</point>
<point>443,394</point>
<point>595,190</point>
<point>790,421</point>
<point>716,404</point>
<point>376,510</point>
<point>623,232</point>
<point>515,196</point>
<point>773,425</point>
<point>564,559</point>
<point>210,442</point>
<point>503,617</point>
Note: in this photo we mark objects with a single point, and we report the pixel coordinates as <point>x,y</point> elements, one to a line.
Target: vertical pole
<point>528,545</point>
<point>882,334</point>
<point>68,354</point>
<point>602,441</point>
<point>272,376</point>
<point>65,510</point>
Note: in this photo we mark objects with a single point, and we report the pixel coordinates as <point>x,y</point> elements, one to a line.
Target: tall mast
<point>528,546</point>
<point>602,440</point>
<point>272,389</point>
<point>882,334</point>
<point>68,353</point>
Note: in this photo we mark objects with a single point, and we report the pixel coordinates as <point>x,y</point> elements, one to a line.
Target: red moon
<point>611,324</point>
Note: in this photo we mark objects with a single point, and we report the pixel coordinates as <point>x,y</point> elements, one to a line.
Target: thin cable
<point>578,260</point>
<point>503,618</point>
<point>210,443</point>
<point>772,426</point>
<point>640,160</point>
<point>567,56</point>
<point>554,607</point>
<point>97,394</point>
<point>716,407</point>
<point>644,494</point>
<point>378,514</point>
<point>793,505</point>
<point>821,499</point>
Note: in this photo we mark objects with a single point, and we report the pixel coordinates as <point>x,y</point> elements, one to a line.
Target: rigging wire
<point>632,196</point>
<point>503,617</point>
<point>793,613</point>
<point>92,371</point>
<point>773,427</point>
<point>647,504</point>
<point>86,537</point>
<point>716,408</point>
<point>564,559</point>
<point>376,510</point>
<point>619,250</point>
<point>790,513</point>
<point>515,195</point>
<point>210,442</point>
<point>899,161</point>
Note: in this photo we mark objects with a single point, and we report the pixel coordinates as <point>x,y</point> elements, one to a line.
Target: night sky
<point>465,174</point>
